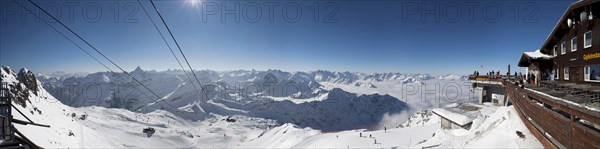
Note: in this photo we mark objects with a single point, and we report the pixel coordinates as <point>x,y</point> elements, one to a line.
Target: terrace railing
<point>556,123</point>
<point>490,78</point>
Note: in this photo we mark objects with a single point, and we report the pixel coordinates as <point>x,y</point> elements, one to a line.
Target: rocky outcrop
<point>20,85</point>
<point>28,79</point>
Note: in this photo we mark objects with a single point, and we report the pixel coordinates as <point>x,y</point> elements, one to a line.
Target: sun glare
<point>193,2</point>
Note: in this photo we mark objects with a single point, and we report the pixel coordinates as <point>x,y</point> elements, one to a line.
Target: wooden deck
<point>555,123</point>
<point>487,78</point>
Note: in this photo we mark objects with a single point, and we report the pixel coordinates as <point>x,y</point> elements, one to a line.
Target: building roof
<point>529,57</point>
<point>537,55</point>
<point>561,25</point>
<point>455,117</point>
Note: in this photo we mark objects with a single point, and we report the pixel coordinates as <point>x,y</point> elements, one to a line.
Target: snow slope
<point>176,91</point>
<point>496,127</point>
<point>259,94</point>
<point>336,119</point>
<point>111,127</point>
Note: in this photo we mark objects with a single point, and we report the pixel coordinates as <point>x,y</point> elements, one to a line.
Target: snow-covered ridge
<point>319,75</point>
<point>232,92</point>
<point>22,86</point>
<point>420,118</point>
<point>101,86</point>
<point>99,127</point>
<point>339,111</point>
<point>311,106</point>
<point>242,84</point>
<point>263,122</point>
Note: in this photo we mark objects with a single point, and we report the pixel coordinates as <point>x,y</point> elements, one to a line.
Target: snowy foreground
<point>241,124</point>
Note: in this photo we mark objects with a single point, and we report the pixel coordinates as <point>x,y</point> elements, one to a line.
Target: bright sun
<point>193,2</point>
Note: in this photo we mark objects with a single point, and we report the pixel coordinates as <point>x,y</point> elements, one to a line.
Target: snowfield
<point>326,110</point>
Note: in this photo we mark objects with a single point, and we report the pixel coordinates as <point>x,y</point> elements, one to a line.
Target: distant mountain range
<point>250,102</point>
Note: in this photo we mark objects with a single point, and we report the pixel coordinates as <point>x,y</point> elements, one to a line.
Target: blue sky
<point>361,36</point>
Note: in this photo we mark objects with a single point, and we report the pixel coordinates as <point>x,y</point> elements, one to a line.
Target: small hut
<point>453,120</point>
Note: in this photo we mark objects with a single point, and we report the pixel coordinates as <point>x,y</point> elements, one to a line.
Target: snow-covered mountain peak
<point>22,86</point>
<point>24,77</point>
<point>138,69</point>
<point>452,77</point>
<point>231,116</point>
<point>24,70</point>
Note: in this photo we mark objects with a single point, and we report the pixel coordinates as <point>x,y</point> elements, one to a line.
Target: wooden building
<point>575,44</point>
<point>539,65</point>
<point>564,113</point>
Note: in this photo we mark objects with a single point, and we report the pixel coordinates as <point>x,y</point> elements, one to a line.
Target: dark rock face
<point>28,79</point>
<point>20,94</point>
<point>19,91</point>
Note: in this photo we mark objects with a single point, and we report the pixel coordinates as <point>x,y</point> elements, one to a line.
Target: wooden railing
<point>556,123</point>
<point>490,78</point>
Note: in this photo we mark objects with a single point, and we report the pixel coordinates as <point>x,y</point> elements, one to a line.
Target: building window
<point>592,73</point>
<point>554,52</point>
<point>566,73</point>
<point>587,39</point>
<point>563,48</point>
<point>574,44</point>
<point>554,74</point>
